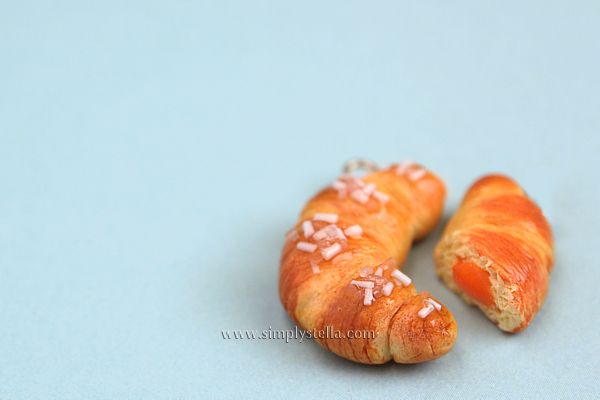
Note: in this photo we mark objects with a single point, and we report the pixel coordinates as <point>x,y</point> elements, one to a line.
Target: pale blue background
<point>153,154</point>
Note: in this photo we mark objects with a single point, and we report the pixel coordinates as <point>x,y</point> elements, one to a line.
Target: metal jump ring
<point>360,163</point>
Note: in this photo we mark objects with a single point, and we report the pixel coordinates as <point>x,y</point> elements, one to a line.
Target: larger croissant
<point>338,277</point>
<point>497,252</point>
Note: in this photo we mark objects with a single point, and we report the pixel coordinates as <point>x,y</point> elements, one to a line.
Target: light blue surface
<point>153,154</point>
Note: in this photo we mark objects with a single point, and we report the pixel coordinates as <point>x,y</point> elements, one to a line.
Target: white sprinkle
<point>416,174</point>
<point>368,297</point>
<point>404,166</point>
<point>401,278</point>
<point>379,271</point>
<point>292,235</point>
<point>359,196</point>
<point>382,197</point>
<point>435,304</point>
<point>369,188</point>
<point>315,267</point>
<point>354,231</point>
<point>387,289</point>
<point>307,247</point>
<point>331,251</point>
<point>308,229</point>
<point>338,185</point>
<point>331,218</point>
<point>425,311</point>
<point>363,284</point>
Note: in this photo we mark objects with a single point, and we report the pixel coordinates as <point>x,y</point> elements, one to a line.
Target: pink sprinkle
<point>368,297</point>
<point>359,182</point>
<point>292,235</point>
<point>344,245</point>
<point>308,229</point>
<point>339,185</point>
<point>389,263</point>
<point>322,234</point>
<point>369,188</point>
<point>416,174</point>
<point>331,251</point>
<point>331,231</point>
<point>331,218</point>
<point>307,247</point>
<point>401,278</point>
<point>404,167</point>
<point>425,311</point>
<point>379,271</point>
<point>340,233</point>
<point>359,196</point>
<point>365,271</point>
<point>315,267</point>
<point>382,197</point>
<point>387,289</point>
<point>354,230</point>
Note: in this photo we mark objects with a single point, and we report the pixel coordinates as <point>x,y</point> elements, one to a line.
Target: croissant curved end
<point>414,339</point>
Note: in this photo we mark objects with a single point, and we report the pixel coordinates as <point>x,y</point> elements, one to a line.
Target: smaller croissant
<point>497,252</point>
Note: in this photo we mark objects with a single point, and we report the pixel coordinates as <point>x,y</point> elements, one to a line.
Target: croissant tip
<point>414,339</point>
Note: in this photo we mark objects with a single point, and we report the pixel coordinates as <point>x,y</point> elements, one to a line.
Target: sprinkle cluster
<point>359,191</point>
<point>376,284</point>
<point>321,233</point>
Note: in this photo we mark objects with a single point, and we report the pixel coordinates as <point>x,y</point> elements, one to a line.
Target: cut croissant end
<point>497,252</point>
<point>471,276</point>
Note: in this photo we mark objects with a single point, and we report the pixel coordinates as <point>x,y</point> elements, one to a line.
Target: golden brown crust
<point>322,301</point>
<point>418,339</point>
<point>501,230</point>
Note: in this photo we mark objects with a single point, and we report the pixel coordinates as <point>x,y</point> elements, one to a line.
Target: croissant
<point>338,277</point>
<point>497,252</point>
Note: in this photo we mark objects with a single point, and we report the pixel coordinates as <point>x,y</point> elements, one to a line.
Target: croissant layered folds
<point>338,272</point>
<point>497,252</point>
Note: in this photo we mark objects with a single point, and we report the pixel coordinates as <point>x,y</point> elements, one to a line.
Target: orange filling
<point>475,281</point>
